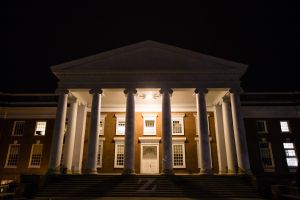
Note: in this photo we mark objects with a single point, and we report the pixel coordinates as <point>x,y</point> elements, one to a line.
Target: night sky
<point>263,35</point>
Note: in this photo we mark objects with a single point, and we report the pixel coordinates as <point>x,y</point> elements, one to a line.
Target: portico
<point>176,81</point>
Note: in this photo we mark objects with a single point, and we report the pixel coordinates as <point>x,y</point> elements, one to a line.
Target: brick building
<point>149,108</point>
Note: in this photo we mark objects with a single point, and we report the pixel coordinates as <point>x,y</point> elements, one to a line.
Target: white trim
<point>149,130</point>
<point>288,126</point>
<point>14,128</point>
<point>120,117</point>
<point>8,153</point>
<point>119,139</point>
<point>102,119</point>
<point>149,140</point>
<point>265,126</point>
<point>181,143</point>
<point>269,168</point>
<point>32,148</point>
<point>180,118</point>
<point>101,139</point>
<point>178,139</point>
<point>117,143</point>
<point>141,157</point>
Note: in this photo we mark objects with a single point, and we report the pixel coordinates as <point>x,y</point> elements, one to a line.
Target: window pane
<point>40,128</point>
<point>36,155</point>
<point>13,155</point>
<point>99,155</point>
<point>289,153</point>
<point>265,154</point>
<point>284,126</point>
<point>178,155</point>
<point>292,162</point>
<point>121,127</point>
<point>260,126</point>
<point>177,126</point>
<point>119,155</point>
<point>288,145</point>
<point>18,128</point>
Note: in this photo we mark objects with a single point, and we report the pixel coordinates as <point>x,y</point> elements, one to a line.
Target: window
<point>261,126</point>
<point>178,155</point>
<point>284,125</point>
<point>36,156</point>
<point>149,124</point>
<point>120,125</point>
<point>177,124</point>
<point>100,152</point>
<point>290,154</point>
<point>12,155</point>
<point>266,155</point>
<point>119,155</point>
<point>18,128</point>
<point>102,124</point>
<point>40,128</point>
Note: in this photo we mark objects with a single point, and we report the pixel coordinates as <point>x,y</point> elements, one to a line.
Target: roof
<point>149,64</point>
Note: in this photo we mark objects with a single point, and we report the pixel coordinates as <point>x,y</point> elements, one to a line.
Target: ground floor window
<point>36,156</point>
<point>290,153</point>
<point>12,156</point>
<point>266,155</point>
<point>100,153</point>
<point>119,155</point>
<point>178,150</point>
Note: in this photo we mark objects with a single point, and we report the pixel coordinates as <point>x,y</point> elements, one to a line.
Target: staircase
<point>145,186</point>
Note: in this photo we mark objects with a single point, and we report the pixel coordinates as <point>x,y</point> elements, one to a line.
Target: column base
<point>128,172</point>
<point>231,172</point>
<point>77,172</point>
<point>244,171</point>
<point>206,171</point>
<point>222,172</point>
<point>167,172</point>
<point>91,171</point>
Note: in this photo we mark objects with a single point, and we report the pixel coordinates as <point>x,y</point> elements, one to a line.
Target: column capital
<point>201,90</point>
<point>130,90</point>
<point>72,99</point>
<point>163,90</point>
<point>62,91</point>
<point>96,90</point>
<point>236,90</point>
<point>226,99</point>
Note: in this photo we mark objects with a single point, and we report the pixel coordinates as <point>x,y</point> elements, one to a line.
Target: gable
<point>158,61</point>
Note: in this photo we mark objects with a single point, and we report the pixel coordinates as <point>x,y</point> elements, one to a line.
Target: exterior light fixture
<point>149,95</point>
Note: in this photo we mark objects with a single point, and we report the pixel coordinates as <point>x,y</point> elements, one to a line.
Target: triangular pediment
<point>149,56</point>
<point>146,64</point>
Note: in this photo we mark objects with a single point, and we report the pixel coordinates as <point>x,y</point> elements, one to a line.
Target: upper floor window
<point>120,124</point>
<point>18,128</point>
<point>261,126</point>
<point>12,155</point>
<point>177,124</point>
<point>40,128</point>
<point>36,156</point>
<point>149,124</point>
<point>102,125</point>
<point>284,125</point>
<point>290,153</point>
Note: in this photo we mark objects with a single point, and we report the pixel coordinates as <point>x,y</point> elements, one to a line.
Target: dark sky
<point>263,35</point>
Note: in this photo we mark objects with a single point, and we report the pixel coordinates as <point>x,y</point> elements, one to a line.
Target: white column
<point>70,136</point>
<point>167,162</point>
<point>129,132</point>
<point>205,155</point>
<point>229,137</point>
<point>91,164</point>
<point>58,133</point>
<point>79,139</point>
<point>222,159</point>
<point>239,134</point>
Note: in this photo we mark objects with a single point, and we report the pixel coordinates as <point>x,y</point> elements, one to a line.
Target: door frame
<point>141,157</point>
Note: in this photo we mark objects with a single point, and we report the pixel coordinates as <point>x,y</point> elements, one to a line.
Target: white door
<point>149,159</point>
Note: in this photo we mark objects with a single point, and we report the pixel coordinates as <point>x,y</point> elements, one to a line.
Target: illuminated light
<point>149,96</point>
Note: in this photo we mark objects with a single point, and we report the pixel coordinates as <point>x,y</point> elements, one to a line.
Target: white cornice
<point>149,139</point>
